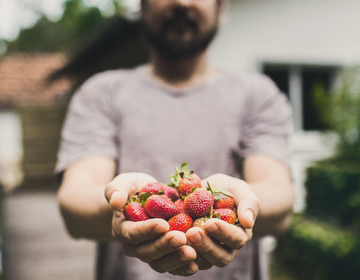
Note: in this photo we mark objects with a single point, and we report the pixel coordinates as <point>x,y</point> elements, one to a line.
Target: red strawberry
<point>222,198</point>
<point>198,203</point>
<point>160,206</point>
<point>227,202</point>
<point>171,192</point>
<point>181,222</point>
<point>151,188</point>
<point>180,205</point>
<point>134,211</point>
<point>186,184</point>
<point>184,180</point>
<point>225,214</point>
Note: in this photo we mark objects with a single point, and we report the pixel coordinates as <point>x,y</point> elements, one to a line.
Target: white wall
<point>296,31</point>
<point>10,149</point>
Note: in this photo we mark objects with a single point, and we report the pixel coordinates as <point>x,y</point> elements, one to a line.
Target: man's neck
<point>182,73</point>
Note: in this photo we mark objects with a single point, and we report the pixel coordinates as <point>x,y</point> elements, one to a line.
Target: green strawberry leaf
<point>144,196</point>
<point>220,190</point>
<point>174,182</point>
<point>184,167</point>
<point>193,189</point>
<point>218,196</point>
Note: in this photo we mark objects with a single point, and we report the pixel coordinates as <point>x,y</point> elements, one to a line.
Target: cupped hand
<point>219,242</point>
<point>150,240</point>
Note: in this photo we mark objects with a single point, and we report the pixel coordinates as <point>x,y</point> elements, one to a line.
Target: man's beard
<point>177,47</point>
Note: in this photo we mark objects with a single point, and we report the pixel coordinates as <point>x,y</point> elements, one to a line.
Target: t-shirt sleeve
<point>267,124</point>
<point>90,128</point>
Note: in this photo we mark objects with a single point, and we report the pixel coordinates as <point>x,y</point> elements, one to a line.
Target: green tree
<point>78,22</point>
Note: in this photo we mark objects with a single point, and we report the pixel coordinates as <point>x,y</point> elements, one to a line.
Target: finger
<point>124,186</point>
<point>213,251</point>
<point>230,235</point>
<point>136,233</point>
<point>203,263</point>
<point>174,261</point>
<point>187,270</point>
<point>248,208</point>
<point>158,248</point>
<point>248,204</point>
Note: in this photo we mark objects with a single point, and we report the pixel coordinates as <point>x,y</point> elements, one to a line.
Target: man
<point>139,123</point>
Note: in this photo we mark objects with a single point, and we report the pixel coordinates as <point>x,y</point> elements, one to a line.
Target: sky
<point>17,14</point>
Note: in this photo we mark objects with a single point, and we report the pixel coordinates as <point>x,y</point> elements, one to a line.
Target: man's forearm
<point>276,209</point>
<point>84,208</point>
<point>270,180</point>
<point>86,212</point>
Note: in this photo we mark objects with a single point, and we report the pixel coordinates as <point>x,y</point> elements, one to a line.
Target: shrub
<point>333,192</point>
<point>340,112</point>
<point>316,250</point>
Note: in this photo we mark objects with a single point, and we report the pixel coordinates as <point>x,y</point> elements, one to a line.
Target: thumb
<point>123,187</point>
<point>247,218</point>
<point>248,204</point>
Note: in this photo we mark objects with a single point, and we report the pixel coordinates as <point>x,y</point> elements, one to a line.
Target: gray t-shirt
<point>149,127</point>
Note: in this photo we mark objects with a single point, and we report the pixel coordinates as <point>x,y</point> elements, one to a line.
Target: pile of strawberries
<point>183,202</point>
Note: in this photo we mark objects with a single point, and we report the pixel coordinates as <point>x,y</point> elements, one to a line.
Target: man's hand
<point>220,242</point>
<point>150,241</point>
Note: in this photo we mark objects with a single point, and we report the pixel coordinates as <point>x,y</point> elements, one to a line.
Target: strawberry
<point>134,211</point>
<point>171,192</point>
<point>160,206</point>
<point>198,203</point>
<point>225,214</point>
<point>180,205</point>
<point>150,189</point>
<point>227,202</point>
<point>181,222</point>
<point>184,180</point>
<point>222,198</point>
<point>199,222</point>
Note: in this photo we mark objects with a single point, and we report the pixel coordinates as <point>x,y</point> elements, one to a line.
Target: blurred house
<point>31,113</point>
<point>300,45</point>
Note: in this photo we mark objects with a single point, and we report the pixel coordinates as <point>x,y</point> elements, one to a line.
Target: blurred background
<point>311,50</point>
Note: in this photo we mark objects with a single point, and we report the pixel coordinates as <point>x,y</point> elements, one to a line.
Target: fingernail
<point>184,258</point>
<point>250,215</point>
<point>159,229</point>
<point>213,228</point>
<point>192,268</point>
<point>175,243</point>
<point>195,238</point>
<point>113,195</point>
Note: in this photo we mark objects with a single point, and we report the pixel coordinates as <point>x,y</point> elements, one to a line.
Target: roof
<point>24,78</point>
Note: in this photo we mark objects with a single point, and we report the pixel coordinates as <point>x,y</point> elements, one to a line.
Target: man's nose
<point>184,3</point>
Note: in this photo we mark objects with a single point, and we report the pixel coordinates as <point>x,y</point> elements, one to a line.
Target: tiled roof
<point>23,78</point>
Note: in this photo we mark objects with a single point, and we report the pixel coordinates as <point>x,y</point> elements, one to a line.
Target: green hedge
<point>333,192</point>
<point>316,250</point>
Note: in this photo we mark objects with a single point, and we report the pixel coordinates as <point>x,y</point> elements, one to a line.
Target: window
<point>298,82</point>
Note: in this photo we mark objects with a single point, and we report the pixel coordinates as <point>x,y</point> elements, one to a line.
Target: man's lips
<point>179,25</point>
